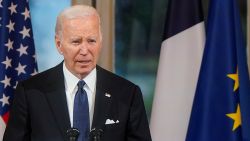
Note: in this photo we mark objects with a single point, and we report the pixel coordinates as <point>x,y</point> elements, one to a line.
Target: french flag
<point>178,70</point>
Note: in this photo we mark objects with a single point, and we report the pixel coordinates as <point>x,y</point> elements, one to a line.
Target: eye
<point>75,42</point>
<point>91,41</point>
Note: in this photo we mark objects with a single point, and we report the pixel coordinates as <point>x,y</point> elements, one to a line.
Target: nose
<point>83,49</point>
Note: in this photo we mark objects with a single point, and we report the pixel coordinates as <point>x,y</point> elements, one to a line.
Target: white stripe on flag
<point>177,77</point>
<point>2,128</point>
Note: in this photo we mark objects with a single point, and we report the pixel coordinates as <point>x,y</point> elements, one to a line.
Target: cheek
<point>70,53</point>
<point>96,51</point>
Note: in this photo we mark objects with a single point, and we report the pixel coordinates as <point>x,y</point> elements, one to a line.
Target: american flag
<point>17,52</point>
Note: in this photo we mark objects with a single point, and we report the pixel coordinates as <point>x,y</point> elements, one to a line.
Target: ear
<point>58,44</point>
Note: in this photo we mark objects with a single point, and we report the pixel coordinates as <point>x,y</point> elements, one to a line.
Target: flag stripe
<point>2,128</point>
<point>181,15</point>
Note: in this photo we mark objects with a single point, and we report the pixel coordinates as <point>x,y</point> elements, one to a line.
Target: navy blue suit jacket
<point>39,111</point>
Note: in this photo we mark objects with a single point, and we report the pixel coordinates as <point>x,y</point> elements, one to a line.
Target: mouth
<point>83,62</point>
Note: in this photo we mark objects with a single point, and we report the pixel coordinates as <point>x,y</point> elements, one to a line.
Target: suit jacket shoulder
<point>50,78</point>
<point>109,77</point>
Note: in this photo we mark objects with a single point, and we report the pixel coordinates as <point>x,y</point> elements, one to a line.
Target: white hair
<point>76,11</point>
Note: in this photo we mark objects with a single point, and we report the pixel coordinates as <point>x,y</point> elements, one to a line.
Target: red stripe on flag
<point>6,117</point>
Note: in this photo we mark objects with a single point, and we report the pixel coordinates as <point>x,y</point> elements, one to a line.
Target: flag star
<point>1,3</point>
<point>6,81</point>
<point>25,32</point>
<point>26,14</point>
<point>235,77</point>
<point>236,117</point>
<point>34,72</point>
<point>12,8</point>
<point>9,44</point>
<point>22,50</point>
<point>7,62</point>
<point>10,26</point>
<point>20,69</point>
<point>5,100</point>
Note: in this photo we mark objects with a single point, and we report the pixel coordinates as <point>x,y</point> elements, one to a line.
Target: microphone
<point>95,134</point>
<point>73,134</point>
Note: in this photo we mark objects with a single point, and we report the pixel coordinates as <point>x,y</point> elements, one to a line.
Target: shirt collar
<point>71,80</point>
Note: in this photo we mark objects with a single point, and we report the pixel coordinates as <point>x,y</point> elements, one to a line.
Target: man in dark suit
<point>45,107</point>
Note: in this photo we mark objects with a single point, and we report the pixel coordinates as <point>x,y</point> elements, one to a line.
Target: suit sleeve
<point>138,129</point>
<point>18,125</point>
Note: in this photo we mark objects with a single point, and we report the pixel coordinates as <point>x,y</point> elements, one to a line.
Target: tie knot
<point>80,84</point>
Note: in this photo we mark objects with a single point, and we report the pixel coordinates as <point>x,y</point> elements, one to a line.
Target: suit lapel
<point>57,99</point>
<point>103,101</point>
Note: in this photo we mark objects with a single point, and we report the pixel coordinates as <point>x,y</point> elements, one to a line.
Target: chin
<point>84,71</point>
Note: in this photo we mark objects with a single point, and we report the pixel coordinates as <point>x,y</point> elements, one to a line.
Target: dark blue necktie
<point>81,112</point>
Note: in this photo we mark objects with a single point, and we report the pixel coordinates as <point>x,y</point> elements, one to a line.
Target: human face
<point>80,44</point>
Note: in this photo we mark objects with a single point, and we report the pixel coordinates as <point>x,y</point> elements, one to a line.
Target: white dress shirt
<point>71,88</point>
